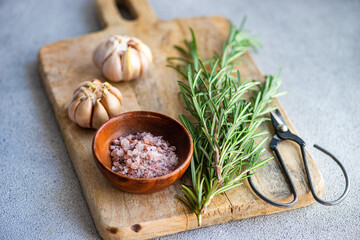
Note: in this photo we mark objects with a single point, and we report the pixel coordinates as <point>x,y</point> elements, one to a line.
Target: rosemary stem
<point>217,166</point>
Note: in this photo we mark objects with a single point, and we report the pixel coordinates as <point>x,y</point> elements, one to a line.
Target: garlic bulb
<point>122,58</point>
<point>94,103</point>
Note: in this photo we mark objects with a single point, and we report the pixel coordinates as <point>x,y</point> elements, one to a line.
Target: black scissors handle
<point>312,189</point>
<point>273,145</point>
<point>289,180</point>
<point>282,133</point>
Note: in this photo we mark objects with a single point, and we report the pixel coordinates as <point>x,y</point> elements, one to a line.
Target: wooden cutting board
<point>119,215</point>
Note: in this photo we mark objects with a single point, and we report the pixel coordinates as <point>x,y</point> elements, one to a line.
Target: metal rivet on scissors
<point>282,132</point>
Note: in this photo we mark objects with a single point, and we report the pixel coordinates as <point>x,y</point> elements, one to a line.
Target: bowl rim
<point>178,169</point>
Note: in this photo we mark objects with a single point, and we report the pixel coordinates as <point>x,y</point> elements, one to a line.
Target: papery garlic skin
<point>93,103</point>
<point>122,58</point>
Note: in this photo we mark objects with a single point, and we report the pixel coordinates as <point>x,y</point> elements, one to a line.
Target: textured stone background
<point>315,42</point>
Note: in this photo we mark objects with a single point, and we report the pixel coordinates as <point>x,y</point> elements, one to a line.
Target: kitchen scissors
<point>283,133</point>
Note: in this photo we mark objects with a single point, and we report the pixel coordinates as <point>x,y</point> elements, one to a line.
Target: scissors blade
<point>278,121</point>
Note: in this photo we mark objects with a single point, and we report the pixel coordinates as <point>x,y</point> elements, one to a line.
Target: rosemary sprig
<point>227,113</point>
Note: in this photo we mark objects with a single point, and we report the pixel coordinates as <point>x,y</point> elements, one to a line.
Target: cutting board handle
<point>109,13</point>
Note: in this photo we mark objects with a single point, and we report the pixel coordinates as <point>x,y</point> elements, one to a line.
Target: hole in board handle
<point>136,227</point>
<point>126,10</point>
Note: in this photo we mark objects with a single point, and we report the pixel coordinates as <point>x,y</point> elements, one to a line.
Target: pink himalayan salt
<point>143,156</point>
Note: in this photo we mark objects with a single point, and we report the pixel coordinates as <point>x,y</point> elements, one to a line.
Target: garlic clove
<point>112,68</point>
<point>146,51</point>
<point>145,64</point>
<point>131,63</point>
<point>135,62</point>
<point>141,47</point>
<point>111,103</point>
<point>103,51</point>
<point>72,108</point>
<point>116,92</point>
<point>83,113</point>
<point>81,85</point>
<point>99,115</point>
<point>127,69</point>
<point>81,92</point>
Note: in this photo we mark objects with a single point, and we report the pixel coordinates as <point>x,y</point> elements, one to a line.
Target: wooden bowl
<point>142,121</point>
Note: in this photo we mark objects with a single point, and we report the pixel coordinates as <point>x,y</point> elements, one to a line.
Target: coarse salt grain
<point>143,155</point>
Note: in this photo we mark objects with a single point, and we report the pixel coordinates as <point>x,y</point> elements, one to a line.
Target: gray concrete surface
<point>315,42</point>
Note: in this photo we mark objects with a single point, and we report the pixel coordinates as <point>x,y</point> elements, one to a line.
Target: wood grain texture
<point>119,215</point>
